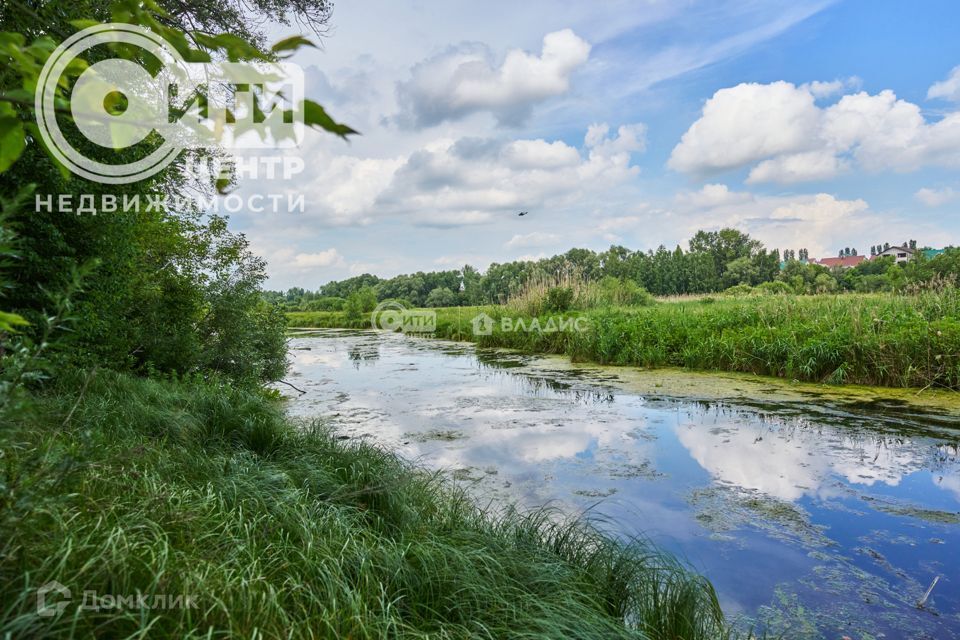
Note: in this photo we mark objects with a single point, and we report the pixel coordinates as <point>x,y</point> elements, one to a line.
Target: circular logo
<point>115,103</point>
<point>388,316</point>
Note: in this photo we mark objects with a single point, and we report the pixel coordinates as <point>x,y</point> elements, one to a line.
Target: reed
<point>570,291</point>
<point>894,340</point>
<point>281,530</point>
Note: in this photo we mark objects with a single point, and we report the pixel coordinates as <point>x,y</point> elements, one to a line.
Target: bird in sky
<point>523,213</point>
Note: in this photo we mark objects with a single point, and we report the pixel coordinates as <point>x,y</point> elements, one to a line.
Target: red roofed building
<point>845,262</point>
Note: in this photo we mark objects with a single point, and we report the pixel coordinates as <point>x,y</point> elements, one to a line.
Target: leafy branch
<point>26,60</point>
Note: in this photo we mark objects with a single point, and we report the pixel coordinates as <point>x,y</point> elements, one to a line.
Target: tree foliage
<point>716,261</point>
<point>167,291</point>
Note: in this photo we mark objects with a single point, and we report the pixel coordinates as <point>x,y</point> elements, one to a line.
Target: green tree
<point>724,247</point>
<point>360,303</point>
<point>441,297</point>
<point>740,271</point>
<point>174,291</point>
<point>824,283</point>
<point>472,293</point>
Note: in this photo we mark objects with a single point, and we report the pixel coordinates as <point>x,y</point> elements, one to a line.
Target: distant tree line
<point>715,261</point>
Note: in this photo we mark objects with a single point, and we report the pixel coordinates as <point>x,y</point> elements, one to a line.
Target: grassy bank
<point>880,339</point>
<point>148,487</point>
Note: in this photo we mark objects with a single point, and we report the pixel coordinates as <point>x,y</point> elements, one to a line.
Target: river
<point>811,517</point>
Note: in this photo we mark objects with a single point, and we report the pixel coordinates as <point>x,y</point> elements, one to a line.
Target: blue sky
<point>807,124</point>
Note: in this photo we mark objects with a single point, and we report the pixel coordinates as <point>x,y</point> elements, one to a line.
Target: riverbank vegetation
<point>204,490</point>
<point>908,340</point>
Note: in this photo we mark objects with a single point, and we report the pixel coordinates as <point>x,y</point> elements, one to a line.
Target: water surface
<point>814,519</point>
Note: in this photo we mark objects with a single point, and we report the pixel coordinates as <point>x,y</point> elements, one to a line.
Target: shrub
<point>559,299</point>
<point>360,302</point>
<point>623,292</point>
<point>532,298</point>
<point>441,297</point>
<point>825,283</point>
<point>326,303</point>
<point>740,290</point>
<point>775,287</point>
<point>570,292</point>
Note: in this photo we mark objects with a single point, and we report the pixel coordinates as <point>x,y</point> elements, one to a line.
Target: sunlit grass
<point>153,488</point>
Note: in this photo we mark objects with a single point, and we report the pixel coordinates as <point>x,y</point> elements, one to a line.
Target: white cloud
<point>798,167</point>
<point>456,261</point>
<point>819,222</point>
<point>712,195</point>
<point>330,257</point>
<point>472,180</point>
<point>880,131</point>
<point>746,123</point>
<point>936,197</point>
<point>359,268</point>
<point>787,138</point>
<point>464,80</point>
<point>287,261</point>
<point>820,208</point>
<point>345,187</point>
<point>631,138</point>
<point>948,89</point>
<point>619,222</point>
<point>821,90</point>
<point>531,257</point>
<point>539,154</point>
<point>534,239</point>
<point>610,228</point>
<point>449,182</point>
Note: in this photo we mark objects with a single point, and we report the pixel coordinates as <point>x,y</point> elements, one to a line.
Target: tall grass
<point>881,339</point>
<point>544,293</point>
<point>875,339</point>
<point>888,340</point>
<point>149,487</point>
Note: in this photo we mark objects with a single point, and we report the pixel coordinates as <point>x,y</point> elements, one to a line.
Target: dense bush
<point>360,303</point>
<point>622,293</point>
<point>441,297</point>
<point>559,299</point>
<point>570,292</point>
<point>740,290</point>
<point>825,283</point>
<point>775,287</point>
<point>326,303</point>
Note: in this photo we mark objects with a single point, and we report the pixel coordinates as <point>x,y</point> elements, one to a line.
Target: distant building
<point>899,254</point>
<point>846,262</point>
<point>930,254</point>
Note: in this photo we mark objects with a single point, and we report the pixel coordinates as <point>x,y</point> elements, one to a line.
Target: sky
<point>808,124</point>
